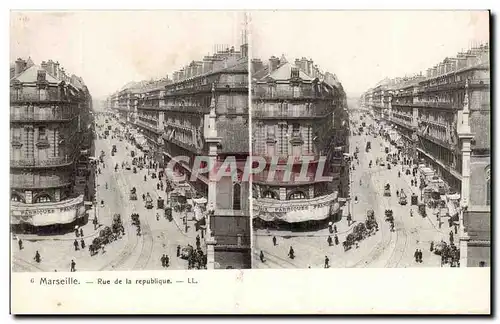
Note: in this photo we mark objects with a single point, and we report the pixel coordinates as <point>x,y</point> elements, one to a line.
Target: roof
<point>284,71</point>
<point>31,75</point>
<point>234,134</point>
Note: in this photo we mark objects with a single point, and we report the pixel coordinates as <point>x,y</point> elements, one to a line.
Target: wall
<point>478,186</point>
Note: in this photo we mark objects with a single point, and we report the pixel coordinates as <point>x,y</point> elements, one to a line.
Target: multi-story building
<point>51,139</point>
<point>446,117</point>
<point>206,114</point>
<point>149,116</point>
<point>298,114</point>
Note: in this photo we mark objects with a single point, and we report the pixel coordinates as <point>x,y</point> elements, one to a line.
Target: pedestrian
<point>451,237</point>
<point>416,255</point>
<point>420,254</point>
<point>412,182</point>
<point>274,240</point>
<point>397,193</point>
<point>37,257</point>
<point>94,221</point>
<point>81,232</point>
<point>335,228</point>
<point>327,262</point>
<point>261,256</point>
<point>145,178</point>
<point>20,242</point>
<point>291,253</point>
<point>178,250</point>
<point>399,174</point>
<point>158,186</point>
<point>456,228</point>
<point>450,222</point>
<point>432,246</point>
<point>75,243</point>
<point>162,259</point>
<point>82,242</point>
<point>143,197</point>
<point>329,240</point>
<point>73,266</point>
<point>336,238</point>
<point>167,261</point>
<point>77,234</point>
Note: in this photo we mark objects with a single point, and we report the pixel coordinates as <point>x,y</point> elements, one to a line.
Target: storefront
<point>296,211</point>
<point>45,214</point>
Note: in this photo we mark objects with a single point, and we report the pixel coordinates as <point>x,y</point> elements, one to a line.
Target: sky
<point>364,47</point>
<point>111,48</point>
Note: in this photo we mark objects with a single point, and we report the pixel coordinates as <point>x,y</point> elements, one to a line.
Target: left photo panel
<point>129,136</point>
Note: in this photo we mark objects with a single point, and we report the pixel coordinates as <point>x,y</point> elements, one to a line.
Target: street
<point>384,248</point>
<point>130,252</point>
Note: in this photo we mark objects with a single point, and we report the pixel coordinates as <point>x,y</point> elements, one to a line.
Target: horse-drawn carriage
<point>389,215</point>
<point>370,223</point>
<point>106,236</point>
<point>127,166</point>
<point>387,190</point>
<point>117,225</point>
<point>402,198</point>
<point>133,194</point>
<point>186,252</point>
<point>135,219</point>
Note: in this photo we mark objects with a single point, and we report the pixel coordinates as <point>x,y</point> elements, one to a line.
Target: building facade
<point>298,114</point>
<point>445,117</point>
<point>51,138</point>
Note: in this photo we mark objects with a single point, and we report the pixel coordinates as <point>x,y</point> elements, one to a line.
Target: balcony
<point>35,163</point>
<point>187,90</point>
<point>278,178</point>
<point>187,109</point>
<point>436,140</point>
<point>476,83</point>
<point>402,122</point>
<point>36,117</point>
<point>262,93</point>
<point>148,126</point>
<point>433,104</point>
<point>233,241</point>
<point>41,183</point>
<point>289,114</point>
<point>35,97</point>
<point>232,85</point>
<point>149,107</point>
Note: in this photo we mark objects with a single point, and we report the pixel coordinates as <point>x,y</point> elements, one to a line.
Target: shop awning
<point>295,211</point>
<point>202,200</point>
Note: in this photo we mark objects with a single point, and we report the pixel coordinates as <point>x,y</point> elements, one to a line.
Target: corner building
<point>298,112</point>
<point>51,137</point>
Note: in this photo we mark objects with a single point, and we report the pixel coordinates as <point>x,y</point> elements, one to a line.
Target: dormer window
<point>42,76</point>
<point>294,73</point>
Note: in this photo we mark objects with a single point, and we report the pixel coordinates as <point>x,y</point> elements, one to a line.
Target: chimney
<point>303,65</point>
<point>273,63</point>
<point>256,65</point>
<point>310,64</point>
<point>244,50</point>
<point>207,64</point>
<point>297,62</point>
<point>20,64</point>
<point>56,70</point>
<point>44,66</point>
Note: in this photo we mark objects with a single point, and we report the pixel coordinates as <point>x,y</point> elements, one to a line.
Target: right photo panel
<point>370,134</point>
